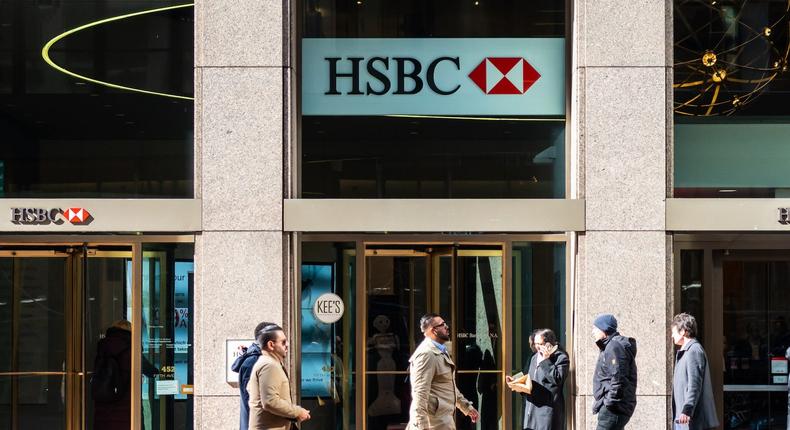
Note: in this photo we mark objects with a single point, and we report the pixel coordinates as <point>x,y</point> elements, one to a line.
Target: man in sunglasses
<point>432,373</point>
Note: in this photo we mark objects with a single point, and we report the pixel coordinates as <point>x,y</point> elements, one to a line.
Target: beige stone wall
<point>240,68</point>
<point>621,138</point>
<point>622,126</point>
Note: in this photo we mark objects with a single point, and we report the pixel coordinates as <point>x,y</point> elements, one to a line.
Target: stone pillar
<point>622,74</point>
<point>240,64</point>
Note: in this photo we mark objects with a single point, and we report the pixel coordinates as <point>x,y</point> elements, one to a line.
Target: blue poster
<point>441,76</point>
<point>316,345</point>
<point>181,323</point>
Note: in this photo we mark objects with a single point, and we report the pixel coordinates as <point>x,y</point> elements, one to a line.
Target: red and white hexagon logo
<point>508,75</point>
<point>76,215</point>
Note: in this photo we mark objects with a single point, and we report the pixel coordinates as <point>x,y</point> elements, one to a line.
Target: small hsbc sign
<point>44,216</point>
<point>433,76</point>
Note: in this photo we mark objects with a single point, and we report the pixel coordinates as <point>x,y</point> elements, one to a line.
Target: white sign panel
<point>328,308</point>
<point>167,387</point>
<point>232,352</point>
<point>433,76</point>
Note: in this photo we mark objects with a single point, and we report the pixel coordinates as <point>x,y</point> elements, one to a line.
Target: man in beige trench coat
<point>432,374</point>
<point>271,407</point>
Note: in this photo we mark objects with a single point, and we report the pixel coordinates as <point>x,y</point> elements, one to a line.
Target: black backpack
<point>108,384</point>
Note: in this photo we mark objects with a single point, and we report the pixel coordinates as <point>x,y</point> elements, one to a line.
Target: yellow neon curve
<point>45,52</point>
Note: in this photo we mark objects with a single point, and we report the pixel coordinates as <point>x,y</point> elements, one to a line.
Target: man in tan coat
<point>271,407</point>
<point>432,374</point>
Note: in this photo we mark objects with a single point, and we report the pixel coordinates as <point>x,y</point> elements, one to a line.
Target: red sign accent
<point>504,75</point>
<point>76,215</point>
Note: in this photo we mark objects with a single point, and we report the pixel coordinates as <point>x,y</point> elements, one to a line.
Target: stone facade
<point>621,135</point>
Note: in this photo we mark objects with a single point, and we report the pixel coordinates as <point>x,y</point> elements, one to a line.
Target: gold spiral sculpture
<point>727,52</point>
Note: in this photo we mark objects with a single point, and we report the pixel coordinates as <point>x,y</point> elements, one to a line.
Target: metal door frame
<point>74,388</point>
<point>362,241</point>
<point>716,248</point>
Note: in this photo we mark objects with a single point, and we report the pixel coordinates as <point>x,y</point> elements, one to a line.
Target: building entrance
<point>64,305</point>
<point>755,309</point>
<point>464,284</point>
<point>492,290</point>
<point>741,298</point>
<point>55,305</point>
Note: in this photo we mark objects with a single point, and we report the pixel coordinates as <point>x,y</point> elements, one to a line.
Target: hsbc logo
<point>511,75</point>
<point>57,216</point>
<point>408,75</point>
<point>433,76</point>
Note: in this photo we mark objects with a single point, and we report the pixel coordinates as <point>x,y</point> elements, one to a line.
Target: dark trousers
<point>608,420</point>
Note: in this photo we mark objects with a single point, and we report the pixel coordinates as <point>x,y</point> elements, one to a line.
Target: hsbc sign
<point>57,216</point>
<point>433,76</point>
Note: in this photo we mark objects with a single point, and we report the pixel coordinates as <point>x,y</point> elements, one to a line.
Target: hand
<point>473,414</point>
<point>546,350</point>
<point>304,416</point>
<point>683,419</point>
<point>509,379</point>
<point>241,349</point>
<point>519,388</point>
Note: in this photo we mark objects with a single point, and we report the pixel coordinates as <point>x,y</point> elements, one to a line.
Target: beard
<point>442,336</point>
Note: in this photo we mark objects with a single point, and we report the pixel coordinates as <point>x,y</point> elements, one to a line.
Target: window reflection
<point>390,157</point>
<point>64,137</point>
<point>730,91</point>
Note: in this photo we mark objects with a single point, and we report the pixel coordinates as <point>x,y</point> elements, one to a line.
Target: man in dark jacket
<point>243,366</point>
<point>544,407</point>
<point>692,390</point>
<point>614,380</point>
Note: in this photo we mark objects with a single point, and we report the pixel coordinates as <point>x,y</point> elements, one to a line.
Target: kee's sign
<point>433,76</point>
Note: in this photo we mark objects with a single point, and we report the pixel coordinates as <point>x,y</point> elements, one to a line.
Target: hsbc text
<point>409,77</point>
<point>36,216</point>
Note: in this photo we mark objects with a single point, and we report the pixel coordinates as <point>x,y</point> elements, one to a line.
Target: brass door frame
<point>75,388</point>
<point>506,241</point>
<point>444,250</point>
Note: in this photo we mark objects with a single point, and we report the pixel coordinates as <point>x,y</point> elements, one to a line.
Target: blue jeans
<point>608,420</point>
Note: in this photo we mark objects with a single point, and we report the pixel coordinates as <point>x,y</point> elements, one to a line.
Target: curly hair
<point>687,322</point>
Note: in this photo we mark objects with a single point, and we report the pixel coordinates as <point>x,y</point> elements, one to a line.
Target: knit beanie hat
<point>607,323</point>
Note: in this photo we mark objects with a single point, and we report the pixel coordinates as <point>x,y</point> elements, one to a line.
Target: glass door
<point>59,307</point>
<point>751,310</point>
<point>35,292</point>
<point>462,283</point>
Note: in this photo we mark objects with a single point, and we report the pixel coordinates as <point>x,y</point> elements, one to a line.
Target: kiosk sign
<point>328,308</point>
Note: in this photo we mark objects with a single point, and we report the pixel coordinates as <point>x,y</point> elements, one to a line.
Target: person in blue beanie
<point>614,379</point>
<point>243,366</point>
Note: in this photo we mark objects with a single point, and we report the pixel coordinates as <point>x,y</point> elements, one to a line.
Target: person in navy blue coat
<point>243,366</point>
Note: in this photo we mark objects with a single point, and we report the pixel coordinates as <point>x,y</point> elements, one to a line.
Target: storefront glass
<point>460,117</point>
<point>167,336</point>
<point>730,90</point>
<point>740,300</point>
<point>538,302</point>
<point>465,283</point>
<point>67,128</point>
<point>327,353</point>
<point>66,317</point>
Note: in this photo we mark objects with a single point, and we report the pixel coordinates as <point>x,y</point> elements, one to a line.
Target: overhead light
<point>727,190</point>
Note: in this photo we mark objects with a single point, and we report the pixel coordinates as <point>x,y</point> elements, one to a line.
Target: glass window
<point>730,91</point>
<point>417,149</point>
<point>756,336</point>
<point>67,128</point>
<point>167,336</point>
<point>33,306</point>
<point>692,299</point>
<point>538,293</point>
<point>328,350</point>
